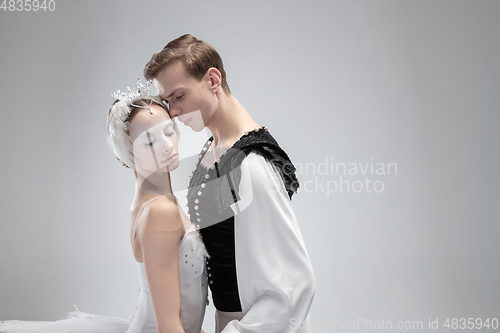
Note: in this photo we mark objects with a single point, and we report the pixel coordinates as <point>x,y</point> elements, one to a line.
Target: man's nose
<point>174,111</point>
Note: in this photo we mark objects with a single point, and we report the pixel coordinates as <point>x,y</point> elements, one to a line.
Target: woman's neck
<point>156,184</point>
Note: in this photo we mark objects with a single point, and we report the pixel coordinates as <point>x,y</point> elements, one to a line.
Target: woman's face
<point>154,141</point>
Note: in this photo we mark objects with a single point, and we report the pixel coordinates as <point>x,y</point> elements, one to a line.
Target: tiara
<point>130,95</point>
<point>141,90</point>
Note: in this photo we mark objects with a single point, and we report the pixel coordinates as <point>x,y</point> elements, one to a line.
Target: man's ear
<point>215,78</point>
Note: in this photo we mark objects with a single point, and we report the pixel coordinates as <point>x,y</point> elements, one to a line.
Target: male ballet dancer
<point>259,272</point>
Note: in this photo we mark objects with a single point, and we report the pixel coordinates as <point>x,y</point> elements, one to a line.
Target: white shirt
<point>275,278</point>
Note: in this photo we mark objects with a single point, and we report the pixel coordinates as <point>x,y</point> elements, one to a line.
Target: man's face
<point>191,101</point>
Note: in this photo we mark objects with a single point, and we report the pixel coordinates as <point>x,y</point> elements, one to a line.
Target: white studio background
<point>408,91</point>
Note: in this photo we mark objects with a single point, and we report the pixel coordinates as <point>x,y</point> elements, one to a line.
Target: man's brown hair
<point>196,55</point>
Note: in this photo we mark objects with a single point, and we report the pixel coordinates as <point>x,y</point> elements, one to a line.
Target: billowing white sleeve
<point>274,273</point>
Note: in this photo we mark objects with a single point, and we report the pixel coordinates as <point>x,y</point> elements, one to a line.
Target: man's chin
<point>196,127</point>
<point>197,130</point>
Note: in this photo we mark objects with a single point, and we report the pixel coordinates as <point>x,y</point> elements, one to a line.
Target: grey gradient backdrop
<point>414,83</point>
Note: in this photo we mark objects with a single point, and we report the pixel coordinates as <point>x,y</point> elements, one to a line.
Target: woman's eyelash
<point>169,130</point>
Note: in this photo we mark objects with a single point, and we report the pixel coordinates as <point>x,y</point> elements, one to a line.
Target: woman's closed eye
<point>169,130</point>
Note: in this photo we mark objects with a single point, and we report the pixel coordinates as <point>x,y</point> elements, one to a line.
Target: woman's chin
<point>163,170</point>
<point>173,166</point>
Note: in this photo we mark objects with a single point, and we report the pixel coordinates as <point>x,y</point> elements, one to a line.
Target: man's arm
<point>274,273</point>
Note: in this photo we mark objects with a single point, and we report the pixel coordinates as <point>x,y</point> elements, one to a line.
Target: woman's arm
<point>160,232</point>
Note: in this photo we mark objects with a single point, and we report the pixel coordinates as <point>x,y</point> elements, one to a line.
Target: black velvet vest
<point>210,194</point>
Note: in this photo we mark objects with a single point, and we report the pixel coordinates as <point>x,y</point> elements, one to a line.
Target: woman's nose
<point>167,144</point>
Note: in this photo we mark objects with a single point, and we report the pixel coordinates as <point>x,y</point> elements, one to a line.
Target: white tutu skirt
<point>75,322</point>
<point>193,280</point>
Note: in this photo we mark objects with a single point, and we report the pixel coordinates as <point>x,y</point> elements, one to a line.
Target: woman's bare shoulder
<point>160,215</point>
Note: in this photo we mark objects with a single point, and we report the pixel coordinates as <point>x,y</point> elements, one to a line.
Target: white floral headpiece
<point>118,124</point>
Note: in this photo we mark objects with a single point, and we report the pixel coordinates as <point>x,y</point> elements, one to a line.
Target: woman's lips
<point>170,159</point>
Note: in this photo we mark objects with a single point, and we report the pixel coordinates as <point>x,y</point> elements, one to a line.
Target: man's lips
<point>187,122</point>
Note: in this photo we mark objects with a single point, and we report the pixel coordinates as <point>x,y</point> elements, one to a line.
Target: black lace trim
<point>260,142</point>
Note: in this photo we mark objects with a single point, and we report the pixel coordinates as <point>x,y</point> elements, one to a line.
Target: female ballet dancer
<point>167,248</point>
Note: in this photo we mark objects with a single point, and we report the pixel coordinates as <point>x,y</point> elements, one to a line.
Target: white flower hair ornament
<point>117,120</point>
